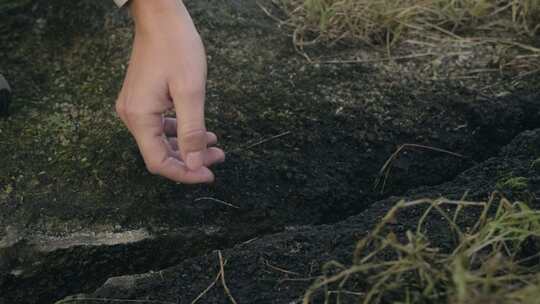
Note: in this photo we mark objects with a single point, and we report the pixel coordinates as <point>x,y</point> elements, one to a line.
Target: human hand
<point>168,70</point>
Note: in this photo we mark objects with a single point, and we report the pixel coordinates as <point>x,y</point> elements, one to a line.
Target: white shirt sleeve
<point>120,3</point>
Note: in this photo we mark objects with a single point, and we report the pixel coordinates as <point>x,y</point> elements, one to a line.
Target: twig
<point>217,201</point>
<point>347,292</point>
<point>204,292</point>
<point>269,14</point>
<point>250,240</point>
<point>280,269</point>
<point>523,75</point>
<point>526,47</point>
<point>267,140</point>
<point>449,33</point>
<point>478,71</point>
<point>385,170</point>
<point>281,281</point>
<point>222,268</point>
<point>262,142</point>
<point>114,300</point>
<point>412,56</point>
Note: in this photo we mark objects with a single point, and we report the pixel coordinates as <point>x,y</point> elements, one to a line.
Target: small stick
<point>528,73</point>
<point>280,269</point>
<point>113,300</point>
<point>267,140</point>
<point>299,279</point>
<point>262,142</point>
<point>204,292</point>
<point>346,292</point>
<point>270,15</point>
<point>412,56</point>
<point>449,33</point>
<point>250,240</point>
<point>217,201</point>
<point>222,268</point>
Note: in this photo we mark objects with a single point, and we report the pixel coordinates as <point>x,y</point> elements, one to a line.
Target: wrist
<point>159,16</point>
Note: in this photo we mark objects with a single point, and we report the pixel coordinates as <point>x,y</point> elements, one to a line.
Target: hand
<point>168,70</point>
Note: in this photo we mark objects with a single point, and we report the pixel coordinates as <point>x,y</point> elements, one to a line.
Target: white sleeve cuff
<point>120,3</point>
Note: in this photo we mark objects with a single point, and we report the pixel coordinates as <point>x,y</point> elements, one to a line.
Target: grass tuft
<point>491,261</point>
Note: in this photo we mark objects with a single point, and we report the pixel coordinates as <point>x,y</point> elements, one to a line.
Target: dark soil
<point>68,166</point>
<point>256,272</point>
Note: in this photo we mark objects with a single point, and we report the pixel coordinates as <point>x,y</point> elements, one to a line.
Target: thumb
<point>191,127</point>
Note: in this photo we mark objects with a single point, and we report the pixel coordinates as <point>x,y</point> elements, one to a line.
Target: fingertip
<point>177,171</point>
<point>211,177</point>
<point>211,138</point>
<point>223,156</point>
<point>205,175</point>
<point>220,155</point>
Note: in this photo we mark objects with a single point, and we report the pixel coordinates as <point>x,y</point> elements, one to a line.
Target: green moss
<point>513,183</point>
<point>536,164</point>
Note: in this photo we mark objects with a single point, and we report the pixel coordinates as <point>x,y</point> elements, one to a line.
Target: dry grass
<point>386,21</point>
<point>489,262</point>
<point>507,28</point>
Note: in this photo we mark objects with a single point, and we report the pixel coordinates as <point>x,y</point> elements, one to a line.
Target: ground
<point>279,268</point>
<point>305,143</point>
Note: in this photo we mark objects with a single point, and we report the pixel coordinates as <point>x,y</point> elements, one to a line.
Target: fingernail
<point>194,160</point>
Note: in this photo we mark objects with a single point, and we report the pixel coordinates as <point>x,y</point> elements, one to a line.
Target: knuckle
<point>197,136</point>
<point>120,108</point>
<point>191,88</point>
<point>192,91</point>
<point>132,111</point>
<point>133,114</point>
<point>194,139</point>
<point>128,108</point>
